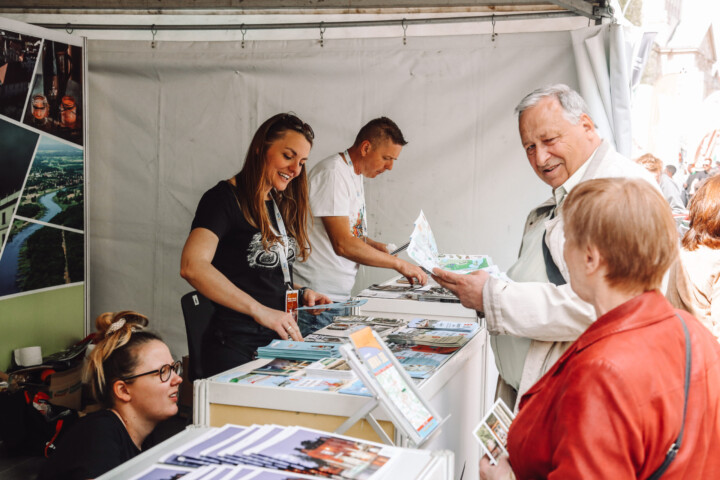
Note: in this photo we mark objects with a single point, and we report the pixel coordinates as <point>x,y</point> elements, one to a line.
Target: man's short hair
<point>630,224</point>
<point>671,169</point>
<point>378,130</point>
<point>651,163</point>
<point>571,102</point>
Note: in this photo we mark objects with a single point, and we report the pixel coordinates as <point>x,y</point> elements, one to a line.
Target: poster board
<point>43,158</point>
<point>372,361</point>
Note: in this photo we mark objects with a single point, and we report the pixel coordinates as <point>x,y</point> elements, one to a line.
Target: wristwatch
<point>301,296</point>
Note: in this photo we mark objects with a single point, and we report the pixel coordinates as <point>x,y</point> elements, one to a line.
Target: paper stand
<point>365,412</point>
<point>381,397</point>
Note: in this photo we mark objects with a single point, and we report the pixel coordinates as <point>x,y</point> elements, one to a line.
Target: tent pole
<point>311,25</point>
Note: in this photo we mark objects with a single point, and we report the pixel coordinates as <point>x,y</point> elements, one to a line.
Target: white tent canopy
<point>167,123</point>
<point>174,99</point>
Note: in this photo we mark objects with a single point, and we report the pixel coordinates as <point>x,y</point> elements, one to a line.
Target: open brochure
<point>424,251</point>
<point>492,431</point>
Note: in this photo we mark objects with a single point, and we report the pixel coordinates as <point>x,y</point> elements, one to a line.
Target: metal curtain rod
<point>310,25</point>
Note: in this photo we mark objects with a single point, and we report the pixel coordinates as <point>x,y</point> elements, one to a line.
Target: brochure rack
<point>392,388</point>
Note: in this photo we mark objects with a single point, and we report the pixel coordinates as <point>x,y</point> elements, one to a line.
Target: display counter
<point>453,390</point>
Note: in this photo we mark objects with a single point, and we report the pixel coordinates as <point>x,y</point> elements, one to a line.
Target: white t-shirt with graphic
<point>335,191</point>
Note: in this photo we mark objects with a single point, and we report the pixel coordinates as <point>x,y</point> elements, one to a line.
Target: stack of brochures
<point>431,338</point>
<point>292,374</point>
<point>329,367</point>
<point>422,323</point>
<point>235,452</point>
<point>342,326</point>
<point>419,364</point>
<point>298,350</point>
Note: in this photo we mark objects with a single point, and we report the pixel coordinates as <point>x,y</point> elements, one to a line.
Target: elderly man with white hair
<point>537,316</point>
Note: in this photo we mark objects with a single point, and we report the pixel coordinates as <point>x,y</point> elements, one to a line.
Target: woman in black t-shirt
<point>235,252</point>
<point>133,376</point>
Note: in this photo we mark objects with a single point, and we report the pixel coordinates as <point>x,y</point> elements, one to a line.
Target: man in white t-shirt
<point>339,235</point>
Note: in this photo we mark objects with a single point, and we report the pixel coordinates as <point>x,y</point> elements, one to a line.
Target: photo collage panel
<point>42,163</point>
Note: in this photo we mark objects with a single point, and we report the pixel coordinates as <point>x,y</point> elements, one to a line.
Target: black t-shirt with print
<point>240,255</point>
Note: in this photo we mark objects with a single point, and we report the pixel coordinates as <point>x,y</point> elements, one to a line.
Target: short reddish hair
<point>704,216</point>
<point>630,224</point>
<point>651,163</point>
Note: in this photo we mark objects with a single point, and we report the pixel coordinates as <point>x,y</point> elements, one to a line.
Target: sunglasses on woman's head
<point>298,125</point>
<point>164,372</point>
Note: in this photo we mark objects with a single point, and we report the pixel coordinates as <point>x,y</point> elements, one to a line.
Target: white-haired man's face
<point>555,147</point>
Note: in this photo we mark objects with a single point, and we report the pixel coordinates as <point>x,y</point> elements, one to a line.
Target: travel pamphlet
<point>329,367</point>
<point>282,366</point>
<point>424,251</point>
<point>423,323</point>
<point>433,338</point>
<point>419,364</point>
<point>491,433</point>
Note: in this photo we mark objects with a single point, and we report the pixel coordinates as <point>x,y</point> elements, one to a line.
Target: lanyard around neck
<point>349,160</point>
<point>285,247</point>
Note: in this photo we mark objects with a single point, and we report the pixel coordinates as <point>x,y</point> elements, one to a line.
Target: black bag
<point>26,430</point>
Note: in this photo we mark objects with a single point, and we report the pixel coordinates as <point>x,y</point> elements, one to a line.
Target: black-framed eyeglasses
<point>165,372</point>
<point>298,125</point>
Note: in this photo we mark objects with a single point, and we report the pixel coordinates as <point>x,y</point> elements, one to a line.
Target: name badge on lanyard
<point>291,295</point>
<point>291,302</point>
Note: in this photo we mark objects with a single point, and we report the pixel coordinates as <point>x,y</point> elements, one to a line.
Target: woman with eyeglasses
<point>134,378</point>
<point>246,234</point>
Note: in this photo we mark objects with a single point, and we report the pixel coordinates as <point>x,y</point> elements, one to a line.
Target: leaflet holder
<point>378,369</point>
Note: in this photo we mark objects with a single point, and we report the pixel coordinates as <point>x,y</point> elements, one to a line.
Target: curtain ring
<point>69,29</point>
<point>243,30</point>
<point>153,30</point>
<point>404,27</point>
<point>322,31</point>
<point>492,37</point>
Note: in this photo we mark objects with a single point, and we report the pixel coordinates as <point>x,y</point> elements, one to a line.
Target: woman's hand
<point>312,298</point>
<point>281,322</point>
<point>501,471</point>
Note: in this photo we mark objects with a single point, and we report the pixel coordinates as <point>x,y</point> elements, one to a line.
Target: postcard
<point>492,431</point>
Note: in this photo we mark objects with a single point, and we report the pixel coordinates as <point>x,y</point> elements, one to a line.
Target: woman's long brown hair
<point>294,202</point>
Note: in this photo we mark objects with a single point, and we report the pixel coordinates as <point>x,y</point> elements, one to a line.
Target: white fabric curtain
<point>169,122</point>
<point>603,55</point>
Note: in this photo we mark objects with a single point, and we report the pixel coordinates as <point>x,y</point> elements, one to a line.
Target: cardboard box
<point>66,388</point>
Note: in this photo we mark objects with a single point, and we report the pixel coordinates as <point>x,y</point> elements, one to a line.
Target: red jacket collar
<point>645,309</point>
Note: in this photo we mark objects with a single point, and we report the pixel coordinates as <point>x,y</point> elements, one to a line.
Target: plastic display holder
<point>376,366</point>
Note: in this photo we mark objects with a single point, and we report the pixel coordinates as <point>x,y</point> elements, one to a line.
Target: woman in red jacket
<point>612,405</point>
